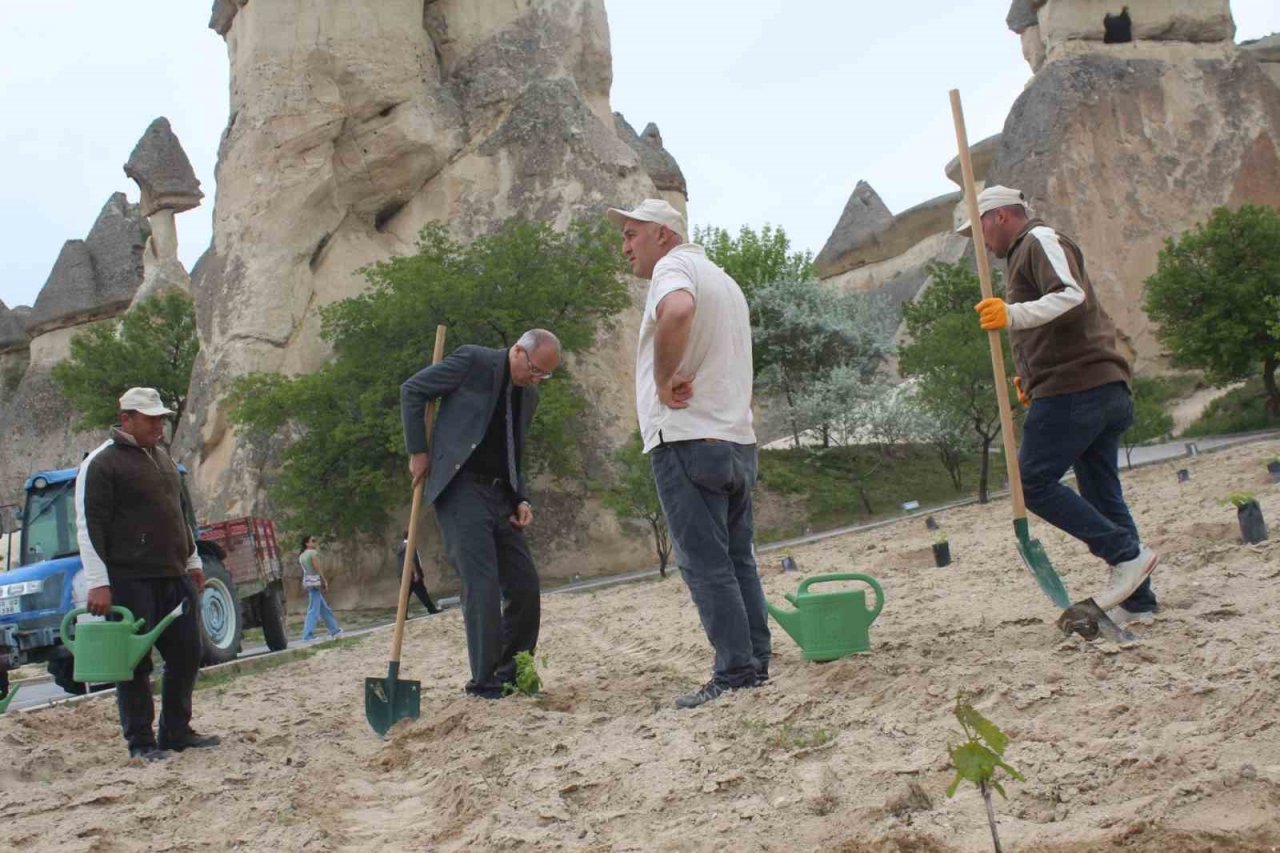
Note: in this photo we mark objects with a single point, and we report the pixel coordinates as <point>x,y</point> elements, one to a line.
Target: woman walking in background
<point>315,585</point>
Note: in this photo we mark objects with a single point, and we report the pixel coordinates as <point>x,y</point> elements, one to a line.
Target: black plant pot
<point>1273,468</point>
<point>788,564</point>
<point>1253,527</point>
<point>1183,475</point>
<point>942,554</point>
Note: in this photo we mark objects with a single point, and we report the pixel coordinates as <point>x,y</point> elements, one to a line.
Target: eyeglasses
<point>538,372</point>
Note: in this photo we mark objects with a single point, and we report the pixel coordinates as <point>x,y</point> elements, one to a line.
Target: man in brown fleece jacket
<point>1076,384</point>
<point>138,552</point>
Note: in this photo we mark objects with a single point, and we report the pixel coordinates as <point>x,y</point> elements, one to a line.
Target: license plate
<point>9,606</point>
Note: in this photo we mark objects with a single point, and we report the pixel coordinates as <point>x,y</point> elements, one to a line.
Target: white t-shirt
<point>718,354</point>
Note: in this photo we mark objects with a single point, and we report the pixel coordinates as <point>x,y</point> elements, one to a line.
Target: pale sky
<point>773,108</point>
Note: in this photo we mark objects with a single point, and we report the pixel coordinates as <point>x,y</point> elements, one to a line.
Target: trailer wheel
<point>274,626</point>
<point>220,621</point>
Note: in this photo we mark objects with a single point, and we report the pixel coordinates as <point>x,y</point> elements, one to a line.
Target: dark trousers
<point>419,588</point>
<point>705,490</point>
<point>493,561</point>
<point>179,645</point>
<point>1082,431</point>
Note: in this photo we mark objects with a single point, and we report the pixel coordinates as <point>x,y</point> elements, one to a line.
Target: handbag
<point>312,581</point>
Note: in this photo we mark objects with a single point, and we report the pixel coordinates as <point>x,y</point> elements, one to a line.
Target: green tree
<point>951,359</point>
<point>801,330</point>
<point>754,260</point>
<point>635,495</point>
<point>1213,294</point>
<point>854,410</point>
<point>1150,420</point>
<point>337,431</point>
<point>154,346</point>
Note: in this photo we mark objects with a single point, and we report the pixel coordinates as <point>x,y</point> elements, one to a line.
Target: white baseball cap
<point>144,401</point>
<point>991,198</point>
<point>652,210</point>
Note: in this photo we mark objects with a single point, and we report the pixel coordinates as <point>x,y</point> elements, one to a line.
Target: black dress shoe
<point>151,752</point>
<point>191,740</point>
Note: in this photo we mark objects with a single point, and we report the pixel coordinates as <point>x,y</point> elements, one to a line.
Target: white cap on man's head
<point>144,401</point>
<point>652,210</point>
<point>991,198</point>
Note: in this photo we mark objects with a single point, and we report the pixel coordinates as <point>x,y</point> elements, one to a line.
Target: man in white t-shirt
<point>693,399</point>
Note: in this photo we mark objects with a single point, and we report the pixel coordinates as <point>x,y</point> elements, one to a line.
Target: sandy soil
<point>1166,745</point>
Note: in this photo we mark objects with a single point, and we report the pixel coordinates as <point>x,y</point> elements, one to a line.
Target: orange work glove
<point>1022,397</point>
<point>992,313</point>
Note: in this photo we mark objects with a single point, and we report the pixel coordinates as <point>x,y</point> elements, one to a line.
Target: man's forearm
<point>670,339</point>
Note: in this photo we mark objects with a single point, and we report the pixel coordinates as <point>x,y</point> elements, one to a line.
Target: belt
<point>486,480</point>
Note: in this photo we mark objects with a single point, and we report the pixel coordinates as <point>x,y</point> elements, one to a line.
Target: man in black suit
<point>417,584</point>
<point>474,480</point>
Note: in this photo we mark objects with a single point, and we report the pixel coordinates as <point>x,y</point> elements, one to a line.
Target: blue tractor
<point>49,582</point>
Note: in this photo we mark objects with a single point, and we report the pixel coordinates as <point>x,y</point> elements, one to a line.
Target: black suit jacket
<point>468,384</point>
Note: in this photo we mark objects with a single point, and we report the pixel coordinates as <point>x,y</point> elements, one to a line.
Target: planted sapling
<point>979,757</point>
<point>527,680</point>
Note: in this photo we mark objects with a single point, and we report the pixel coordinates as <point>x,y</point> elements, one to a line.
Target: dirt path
<point>1170,745</point>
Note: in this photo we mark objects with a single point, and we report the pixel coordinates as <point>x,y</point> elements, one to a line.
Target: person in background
<point>314,583</point>
<point>418,585</point>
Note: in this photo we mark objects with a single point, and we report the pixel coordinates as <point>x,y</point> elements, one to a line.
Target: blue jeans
<point>1082,431</point>
<point>705,490</point>
<point>317,607</point>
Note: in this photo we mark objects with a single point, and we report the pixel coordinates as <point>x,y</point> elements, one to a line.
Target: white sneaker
<point>1127,577</point>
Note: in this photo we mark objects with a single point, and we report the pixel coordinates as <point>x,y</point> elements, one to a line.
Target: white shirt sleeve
<point>668,276</point>
<point>1051,306</point>
<point>194,563</point>
<point>95,568</point>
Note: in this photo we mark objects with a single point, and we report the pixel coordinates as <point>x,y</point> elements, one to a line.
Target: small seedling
<point>527,680</point>
<point>1238,499</point>
<point>977,758</point>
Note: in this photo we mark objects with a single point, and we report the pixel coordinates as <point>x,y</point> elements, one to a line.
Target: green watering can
<point>109,651</point>
<point>830,625</point>
<point>8,697</point>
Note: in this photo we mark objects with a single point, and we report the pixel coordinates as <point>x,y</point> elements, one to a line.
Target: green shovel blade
<point>389,700</point>
<point>1037,562</point>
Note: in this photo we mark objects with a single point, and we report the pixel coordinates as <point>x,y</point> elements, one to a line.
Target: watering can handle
<point>123,612</point>
<point>847,576</point>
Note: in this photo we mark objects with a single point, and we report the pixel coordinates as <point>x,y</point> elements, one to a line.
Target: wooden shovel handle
<point>415,515</point>
<point>993,337</point>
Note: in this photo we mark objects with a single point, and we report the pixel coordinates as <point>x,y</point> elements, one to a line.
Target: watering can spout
<point>788,619</point>
<point>140,644</point>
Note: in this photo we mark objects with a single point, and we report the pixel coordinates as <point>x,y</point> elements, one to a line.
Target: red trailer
<point>244,585</point>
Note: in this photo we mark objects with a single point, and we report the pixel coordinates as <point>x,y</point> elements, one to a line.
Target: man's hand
<point>522,517</point>
<point>993,313</point>
<point>417,576</point>
<point>100,600</point>
<point>1022,397</point>
<point>676,393</point>
<point>419,467</point>
<point>197,577</point>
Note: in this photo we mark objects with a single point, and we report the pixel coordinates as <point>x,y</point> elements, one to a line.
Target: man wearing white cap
<point>138,552</point>
<point>693,399</point>
<point>1076,383</point>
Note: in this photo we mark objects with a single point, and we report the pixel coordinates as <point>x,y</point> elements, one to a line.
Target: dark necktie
<point>512,474</point>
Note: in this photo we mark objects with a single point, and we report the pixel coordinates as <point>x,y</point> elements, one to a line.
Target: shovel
<point>1085,618</point>
<point>391,699</point>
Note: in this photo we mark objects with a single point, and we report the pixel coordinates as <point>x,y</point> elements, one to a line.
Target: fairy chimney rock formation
<point>353,125</point>
<point>160,168</point>
<point>95,277</point>
<point>168,184</point>
<point>13,332</point>
<point>1266,51</point>
<point>656,161</point>
<point>864,216</point>
<point>981,155</point>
